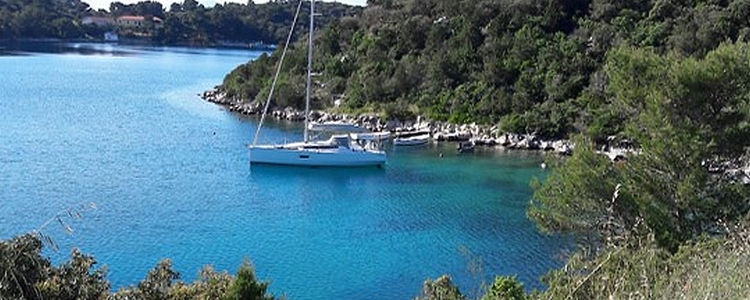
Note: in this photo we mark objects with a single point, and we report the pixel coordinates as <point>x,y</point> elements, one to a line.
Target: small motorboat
<point>408,134</point>
<point>412,141</point>
<point>464,147</point>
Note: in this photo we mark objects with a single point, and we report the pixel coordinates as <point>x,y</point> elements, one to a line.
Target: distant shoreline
<point>135,42</point>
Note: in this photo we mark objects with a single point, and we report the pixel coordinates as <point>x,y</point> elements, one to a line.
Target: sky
<point>97,4</point>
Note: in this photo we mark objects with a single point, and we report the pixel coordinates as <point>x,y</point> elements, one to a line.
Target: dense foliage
<point>531,65</point>
<point>42,19</point>
<point>193,23</point>
<point>26,274</point>
<point>706,269</point>
<point>688,116</point>
<point>184,23</point>
<point>672,220</point>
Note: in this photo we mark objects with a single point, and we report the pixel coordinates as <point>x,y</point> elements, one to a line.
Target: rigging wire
<point>276,77</point>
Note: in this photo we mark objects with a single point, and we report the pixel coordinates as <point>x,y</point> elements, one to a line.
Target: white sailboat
<point>338,151</point>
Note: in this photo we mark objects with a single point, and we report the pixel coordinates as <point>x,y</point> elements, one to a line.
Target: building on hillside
<point>137,21</point>
<point>97,21</point>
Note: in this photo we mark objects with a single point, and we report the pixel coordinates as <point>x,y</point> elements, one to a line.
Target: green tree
<point>246,286</point>
<point>75,279</point>
<point>687,116</point>
<point>440,289</point>
<point>22,267</point>
<point>505,288</point>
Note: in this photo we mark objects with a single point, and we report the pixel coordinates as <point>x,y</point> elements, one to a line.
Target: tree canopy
<point>686,115</point>
<point>530,65</point>
<point>188,23</point>
<point>26,274</point>
<point>191,22</point>
<point>42,18</point>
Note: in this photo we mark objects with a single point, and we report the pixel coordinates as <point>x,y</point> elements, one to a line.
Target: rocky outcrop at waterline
<point>484,135</point>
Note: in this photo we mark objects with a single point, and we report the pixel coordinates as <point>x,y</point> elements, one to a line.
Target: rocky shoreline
<point>481,135</point>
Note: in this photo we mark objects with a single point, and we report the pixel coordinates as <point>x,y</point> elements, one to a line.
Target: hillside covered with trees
<point>672,220</point>
<point>531,65</point>
<point>186,23</point>
<point>192,23</point>
<point>42,18</point>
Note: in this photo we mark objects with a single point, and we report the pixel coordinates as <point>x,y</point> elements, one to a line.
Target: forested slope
<point>269,22</point>
<point>42,18</point>
<point>531,65</point>
<point>185,23</point>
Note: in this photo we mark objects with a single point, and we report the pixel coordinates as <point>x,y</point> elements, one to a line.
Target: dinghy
<point>412,141</point>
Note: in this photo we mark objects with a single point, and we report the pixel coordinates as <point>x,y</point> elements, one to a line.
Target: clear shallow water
<point>123,127</point>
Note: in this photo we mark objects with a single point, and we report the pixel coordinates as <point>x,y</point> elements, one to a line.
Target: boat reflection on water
<point>293,172</point>
<point>12,48</point>
<point>315,183</point>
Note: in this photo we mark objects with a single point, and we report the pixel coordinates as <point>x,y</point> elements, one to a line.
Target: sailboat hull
<point>335,157</point>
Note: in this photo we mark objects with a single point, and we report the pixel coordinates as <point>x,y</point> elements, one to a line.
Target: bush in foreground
<point>26,274</point>
<point>708,269</point>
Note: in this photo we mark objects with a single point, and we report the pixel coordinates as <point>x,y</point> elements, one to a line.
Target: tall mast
<point>276,76</point>
<point>309,69</point>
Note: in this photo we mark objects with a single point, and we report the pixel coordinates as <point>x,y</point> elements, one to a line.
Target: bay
<point>123,127</point>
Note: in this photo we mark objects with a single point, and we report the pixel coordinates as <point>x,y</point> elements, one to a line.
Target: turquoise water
<point>123,127</point>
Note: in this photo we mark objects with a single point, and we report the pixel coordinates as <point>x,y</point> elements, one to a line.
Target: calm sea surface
<point>123,127</point>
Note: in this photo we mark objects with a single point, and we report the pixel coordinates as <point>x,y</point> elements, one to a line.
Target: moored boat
<point>412,141</point>
<point>407,134</point>
<point>338,151</point>
<point>372,136</point>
